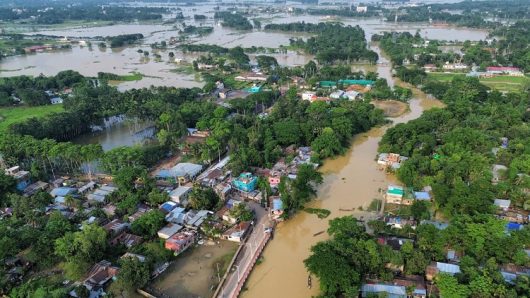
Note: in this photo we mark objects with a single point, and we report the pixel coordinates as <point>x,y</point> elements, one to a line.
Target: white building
<point>310,96</point>
<point>361,9</point>
<point>180,195</point>
<point>169,230</point>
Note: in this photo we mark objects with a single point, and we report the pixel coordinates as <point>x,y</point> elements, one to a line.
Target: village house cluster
<point>398,198</point>
<point>330,90</point>
<point>185,226</point>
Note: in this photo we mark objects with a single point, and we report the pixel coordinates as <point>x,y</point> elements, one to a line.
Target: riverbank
<point>391,108</point>
<point>351,181</point>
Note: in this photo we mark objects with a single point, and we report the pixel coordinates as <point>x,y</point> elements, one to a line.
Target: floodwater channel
<point>351,181</point>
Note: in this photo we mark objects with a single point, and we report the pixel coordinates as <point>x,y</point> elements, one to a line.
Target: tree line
<point>233,20</point>
<point>57,14</point>
<point>333,43</point>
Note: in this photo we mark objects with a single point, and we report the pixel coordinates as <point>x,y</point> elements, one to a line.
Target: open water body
<point>91,60</point>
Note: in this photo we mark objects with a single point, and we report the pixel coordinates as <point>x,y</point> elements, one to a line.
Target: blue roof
<point>420,292</point>
<point>436,224</point>
<point>277,204</point>
<point>448,268</point>
<point>513,226</point>
<point>422,195</point>
<point>180,170</point>
<point>168,206</point>
<point>509,277</point>
<point>62,191</point>
<point>230,203</point>
<point>391,290</point>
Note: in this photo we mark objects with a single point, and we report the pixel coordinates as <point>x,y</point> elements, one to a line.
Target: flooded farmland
<point>164,72</point>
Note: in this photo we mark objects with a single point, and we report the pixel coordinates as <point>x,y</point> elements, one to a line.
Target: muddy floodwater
<point>194,273</point>
<point>350,181</point>
<point>163,72</point>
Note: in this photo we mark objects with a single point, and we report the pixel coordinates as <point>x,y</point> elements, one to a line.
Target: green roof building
<point>395,191</point>
<point>327,84</point>
<point>356,82</point>
<point>254,89</point>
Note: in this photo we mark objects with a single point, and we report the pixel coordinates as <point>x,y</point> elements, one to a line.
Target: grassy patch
<point>443,77</point>
<point>500,83</point>
<point>260,260</point>
<point>12,115</point>
<point>134,76</point>
<point>223,262</point>
<point>321,213</point>
<point>184,69</point>
<point>506,83</point>
<point>375,205</point>
<point>391,108</point>
<point>398,210</point>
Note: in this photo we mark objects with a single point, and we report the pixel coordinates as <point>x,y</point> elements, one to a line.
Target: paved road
<point>245,260</point>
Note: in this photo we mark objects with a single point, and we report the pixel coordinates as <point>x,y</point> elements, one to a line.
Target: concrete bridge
<point>246,258</point>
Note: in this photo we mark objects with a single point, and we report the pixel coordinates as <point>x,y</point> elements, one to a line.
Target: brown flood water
<point>194,273</point>
<point>350,181</point>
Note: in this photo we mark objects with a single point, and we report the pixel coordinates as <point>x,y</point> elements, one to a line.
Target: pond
<point>125,133</point>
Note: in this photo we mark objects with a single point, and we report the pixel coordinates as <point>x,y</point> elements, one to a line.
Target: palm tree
<point>69,201</point>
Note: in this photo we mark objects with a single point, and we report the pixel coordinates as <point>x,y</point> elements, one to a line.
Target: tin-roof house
<point>394,194</point>
<point>438,267</point>
<point>100,274</point>
<point>383,290</point>
<point>181,173</point>
<point>238,232</point>
<point>22,177</point>
<point>180,195</point>
<point>179,242</point>
<point>169,230</point>
<point>502,204</point>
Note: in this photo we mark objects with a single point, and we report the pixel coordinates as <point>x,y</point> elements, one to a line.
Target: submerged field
<point>12,115</point>
<point>500,83</point>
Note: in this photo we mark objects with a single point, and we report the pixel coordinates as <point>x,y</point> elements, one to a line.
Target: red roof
<point>502,68</point>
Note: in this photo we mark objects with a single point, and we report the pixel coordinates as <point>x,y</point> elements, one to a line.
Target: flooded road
<point>350,181</point>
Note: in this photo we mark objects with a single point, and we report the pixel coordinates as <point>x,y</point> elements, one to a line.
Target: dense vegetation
<point>197,30</point>
<point>327,128</point>
<point>351,256</point>
<point>450,150</point>
<point>31,91</point>
<point>123,40</point>
<point>514,45</point>
<point>406,46</point>
<point>410,52</point>
<point>332,43</point>
<point>343,12</point>
<point>57,14</point>
<point>466,13</point>
<point>233,20</point>
<point>464,134</point>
